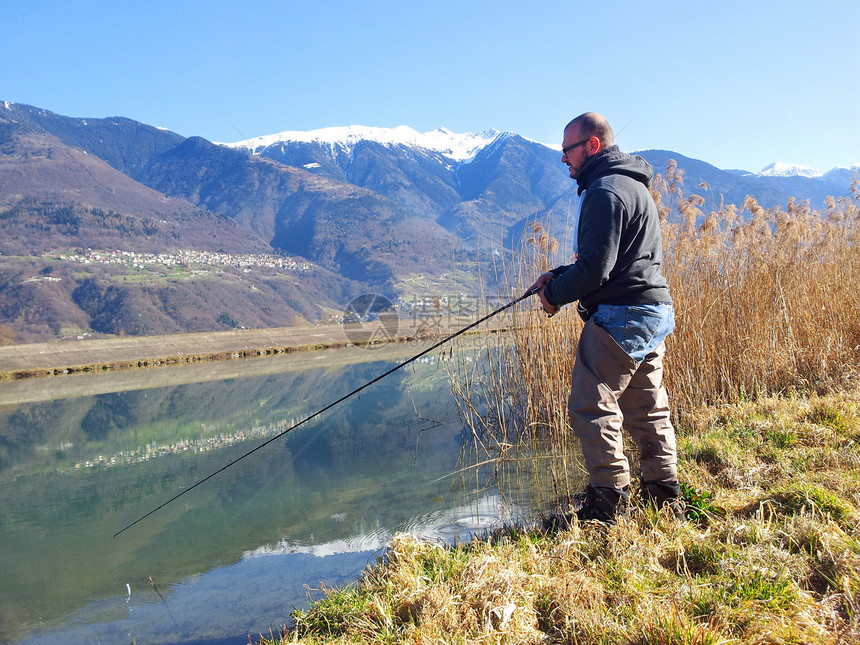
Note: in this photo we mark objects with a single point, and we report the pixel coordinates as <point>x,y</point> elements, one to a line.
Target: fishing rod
<point>331,405</point>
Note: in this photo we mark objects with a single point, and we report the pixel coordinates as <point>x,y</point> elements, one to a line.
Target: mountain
<point>56,197</point>
<point>76,199</point>
<point>780,169</point>
<point>122,143</point>
<point>362,209</point>
<point>482,184</point>
<point>770,188</point>
<point>466,183</point>
<point>476,187</point>
<point>353,231</point>
<point>457,147</point>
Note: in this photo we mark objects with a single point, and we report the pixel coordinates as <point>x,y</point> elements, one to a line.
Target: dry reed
<point>766,303</point>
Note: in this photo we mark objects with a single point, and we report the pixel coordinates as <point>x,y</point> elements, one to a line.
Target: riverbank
<point>770,553</point>
<point>108,354</point>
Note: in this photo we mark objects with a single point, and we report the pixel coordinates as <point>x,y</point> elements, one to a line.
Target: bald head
<point>592,124</point>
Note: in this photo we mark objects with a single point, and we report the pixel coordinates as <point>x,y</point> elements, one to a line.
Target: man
<point>624,299</point>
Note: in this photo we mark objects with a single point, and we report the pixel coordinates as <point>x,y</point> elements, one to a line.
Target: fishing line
<point>331,405</point>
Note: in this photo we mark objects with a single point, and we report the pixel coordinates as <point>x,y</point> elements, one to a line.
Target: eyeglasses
<point>564,151</point>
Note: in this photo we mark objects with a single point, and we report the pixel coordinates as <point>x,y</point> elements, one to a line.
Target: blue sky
<point>738,84</point>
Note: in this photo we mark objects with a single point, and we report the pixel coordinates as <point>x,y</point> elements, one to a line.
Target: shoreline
<point>57,358</point>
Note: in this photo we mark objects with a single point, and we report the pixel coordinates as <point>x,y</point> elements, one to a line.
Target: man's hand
<point>540,282</point>
<point>538,286</point>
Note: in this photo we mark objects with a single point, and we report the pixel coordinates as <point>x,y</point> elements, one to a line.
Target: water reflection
<point>231,557</point>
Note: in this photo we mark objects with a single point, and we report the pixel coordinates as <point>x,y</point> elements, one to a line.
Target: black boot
<point>662,494</point>
<point>594,503</point>
<point>603,503</point>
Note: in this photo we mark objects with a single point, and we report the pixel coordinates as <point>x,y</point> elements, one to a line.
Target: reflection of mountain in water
<point>280,575</point>
<point>129,426</point>
<point>366,468</point>
<point>444,526</point>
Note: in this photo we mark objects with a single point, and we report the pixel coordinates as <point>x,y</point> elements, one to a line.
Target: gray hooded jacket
<point>619,239</point>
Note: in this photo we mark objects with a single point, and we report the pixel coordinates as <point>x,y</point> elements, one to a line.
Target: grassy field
<point>762,371</point>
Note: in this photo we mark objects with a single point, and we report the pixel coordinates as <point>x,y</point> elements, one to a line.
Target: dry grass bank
<point>771,554</point>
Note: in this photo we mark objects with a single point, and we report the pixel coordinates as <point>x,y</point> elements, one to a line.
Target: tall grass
<point>766,303</point>
<point>766,299</point>
<point>513,399</point>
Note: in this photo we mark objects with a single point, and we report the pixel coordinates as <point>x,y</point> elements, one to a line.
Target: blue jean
<point>638,329</point>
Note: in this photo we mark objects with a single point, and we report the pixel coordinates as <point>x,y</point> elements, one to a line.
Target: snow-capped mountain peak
<point>780,169</point>
<point>458,147</point>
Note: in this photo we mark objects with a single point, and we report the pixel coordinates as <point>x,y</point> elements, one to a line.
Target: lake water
<point>83,456</point>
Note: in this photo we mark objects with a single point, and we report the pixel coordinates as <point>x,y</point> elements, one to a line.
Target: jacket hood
<point>611,161</point>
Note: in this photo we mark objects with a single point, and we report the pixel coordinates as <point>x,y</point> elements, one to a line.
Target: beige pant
<point>609,390</point>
